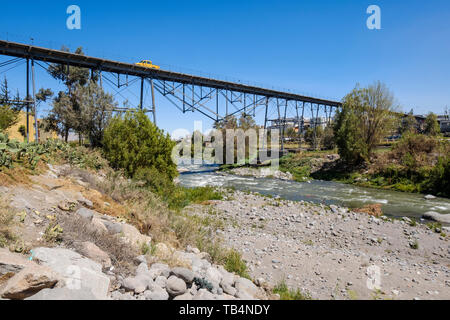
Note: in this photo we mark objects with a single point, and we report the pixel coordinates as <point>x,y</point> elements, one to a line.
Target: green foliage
<point>234,263</point>
<point>8,117</point>
<point>202,283</point>
<point>289,294</point>
<point>53,233</point>
<point>365,118</point>
<point>28,155</point>
<point>432,127</point>
<point>133,142</point>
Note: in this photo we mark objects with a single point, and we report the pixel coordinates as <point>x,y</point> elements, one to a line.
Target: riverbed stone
<point>175,286</point>
<point>184,274</point>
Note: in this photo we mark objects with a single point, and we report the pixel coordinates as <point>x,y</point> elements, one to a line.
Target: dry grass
<point>6,224</point>
<point>77,230</point>
<point>371,210</point>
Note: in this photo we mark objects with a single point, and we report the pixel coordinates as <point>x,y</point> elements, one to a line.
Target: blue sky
<point>320,48</point>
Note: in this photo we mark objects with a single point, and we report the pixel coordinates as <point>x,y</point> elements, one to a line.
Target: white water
<point>394,203</point>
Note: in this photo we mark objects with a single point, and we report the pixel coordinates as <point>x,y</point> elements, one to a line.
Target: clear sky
<point>316,47</point>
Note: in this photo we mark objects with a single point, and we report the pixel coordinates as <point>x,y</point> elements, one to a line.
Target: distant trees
<point>365,118</point>
<point>431,126</point>
<point>409,124</point>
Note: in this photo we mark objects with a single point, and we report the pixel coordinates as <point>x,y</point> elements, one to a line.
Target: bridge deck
<point>61,57</point>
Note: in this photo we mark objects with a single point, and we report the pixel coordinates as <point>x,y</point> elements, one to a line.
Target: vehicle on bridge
<point>148,64</point>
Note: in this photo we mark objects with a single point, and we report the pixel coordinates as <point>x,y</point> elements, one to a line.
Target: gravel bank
<point>330,252</point>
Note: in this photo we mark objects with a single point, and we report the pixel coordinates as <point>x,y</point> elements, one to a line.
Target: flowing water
<point>397,204</point>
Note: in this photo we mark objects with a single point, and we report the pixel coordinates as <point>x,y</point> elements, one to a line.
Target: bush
<point>8,117</point>
<point>289,294</point>
<point>234,263</point>
<point>133,142</point>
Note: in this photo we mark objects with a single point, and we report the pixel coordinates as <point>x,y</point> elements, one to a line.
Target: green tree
<point>96,107</point>
<point>133,142</point>
<point>408,124</point>
<point>66,113</point>
<point>8,117</point>
<point>432,127</point>
<point>366,117</point>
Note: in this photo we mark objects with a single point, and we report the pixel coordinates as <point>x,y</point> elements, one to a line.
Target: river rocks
<point>91,251</point>
<point>157,293</point>
<point>136,284</point>
<point>133,236</point>
<point>78,272</point>
<point>85,213</point>
<point>183,273</point>
<point>98,225</point>
<point>246,287</point>
<point>161,281</point>
<point>112,227</point>
<point>214,275</point>
<point>175,286</point>
<point>29,281</point>
<point>429,197</point>
<point>159,269</point>
<point>434,216</point>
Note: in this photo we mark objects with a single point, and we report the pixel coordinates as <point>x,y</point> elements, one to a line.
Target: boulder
<point>64,294</point>
<point>159,269</point>
<point>112,227</point>
<point>183,273</point>
<point>244,286</point>
<point>79,273</point>
<point>175,286</point>
<point>228,289</point>
<point>11,263</point>
<point>203,294</point>
<point>86,213</point>
<point>429,197</point>
<point>142,268</point>
<point>135,284</point>
<point>91,251</point>
<point>161,281</point>
<point>29,281</point>
<point>156,292</point>
<point>133,236</point>
<point>98,225</point>
<point>213,275</point>
<point>434,216</point>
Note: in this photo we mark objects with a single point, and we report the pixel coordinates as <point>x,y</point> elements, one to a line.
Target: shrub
<point>133,142</point>
<point>289,294</point>
<point>234,263</point>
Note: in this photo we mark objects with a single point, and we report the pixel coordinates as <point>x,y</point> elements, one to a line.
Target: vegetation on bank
<point>289,294</point>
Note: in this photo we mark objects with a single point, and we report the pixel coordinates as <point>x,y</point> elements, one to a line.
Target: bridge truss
<point>215,99</point>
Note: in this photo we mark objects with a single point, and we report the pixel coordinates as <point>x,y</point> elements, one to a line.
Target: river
<point>395,204</point>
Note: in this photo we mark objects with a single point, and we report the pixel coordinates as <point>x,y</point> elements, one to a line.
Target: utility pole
<point>34,103</point>
<point>27,99</point>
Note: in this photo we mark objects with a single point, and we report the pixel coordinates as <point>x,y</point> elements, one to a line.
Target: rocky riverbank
<point>72,243</point>
<point>334,253</point>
